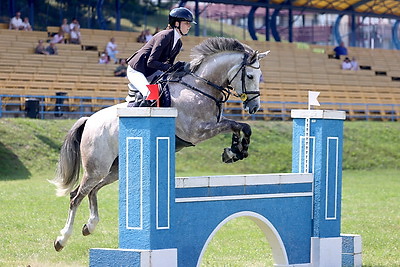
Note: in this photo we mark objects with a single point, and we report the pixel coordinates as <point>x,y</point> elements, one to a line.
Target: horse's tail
<point>68,168</point>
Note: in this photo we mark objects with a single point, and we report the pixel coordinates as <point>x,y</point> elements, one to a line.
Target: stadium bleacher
<point>289,72</point>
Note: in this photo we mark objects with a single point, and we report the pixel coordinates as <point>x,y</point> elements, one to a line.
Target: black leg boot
<point>138,100</point>
<point>147,103</point>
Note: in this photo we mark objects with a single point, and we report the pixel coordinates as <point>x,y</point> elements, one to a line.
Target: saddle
<point>173,74</point>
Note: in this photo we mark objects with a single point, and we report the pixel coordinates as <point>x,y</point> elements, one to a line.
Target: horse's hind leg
<point>89,227</point>
<point>66,232</point>
<point>76,198</point>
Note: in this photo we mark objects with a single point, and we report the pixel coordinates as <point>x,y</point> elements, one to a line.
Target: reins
<point>225,92</point>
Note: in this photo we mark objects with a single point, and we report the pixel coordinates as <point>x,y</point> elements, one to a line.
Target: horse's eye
<point>250,76</point>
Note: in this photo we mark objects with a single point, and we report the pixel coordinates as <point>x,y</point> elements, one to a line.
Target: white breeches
<point>138,80</point>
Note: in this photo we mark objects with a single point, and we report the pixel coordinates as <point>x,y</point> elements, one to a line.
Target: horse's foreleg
<point>240,144</point>
<point>94,219</point>
<point>240,138</point>
<point>245,141</point>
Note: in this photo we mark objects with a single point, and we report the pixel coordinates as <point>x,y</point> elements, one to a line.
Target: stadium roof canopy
<point>389,9</point>
<point>380,8</point>
<point>369,8</point>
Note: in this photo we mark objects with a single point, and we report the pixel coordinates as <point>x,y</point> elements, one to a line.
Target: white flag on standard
<point>312,98</point>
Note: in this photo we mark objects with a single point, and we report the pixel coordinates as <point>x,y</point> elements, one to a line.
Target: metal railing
<point>70,107</point>
<point>46,107</point>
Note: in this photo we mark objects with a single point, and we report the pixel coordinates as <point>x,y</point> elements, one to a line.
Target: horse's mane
<point>216,45</point>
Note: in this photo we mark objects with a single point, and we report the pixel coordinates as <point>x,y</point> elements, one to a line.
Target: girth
<point>180,143</point>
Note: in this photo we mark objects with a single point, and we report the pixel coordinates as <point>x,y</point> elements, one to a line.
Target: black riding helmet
<point>180,14</point>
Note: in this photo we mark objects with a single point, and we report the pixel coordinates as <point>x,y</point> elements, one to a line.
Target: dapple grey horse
<point>220,67</point>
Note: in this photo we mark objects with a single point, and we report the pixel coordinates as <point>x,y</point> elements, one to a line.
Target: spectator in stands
<point>147,35</point>
<point>103,58</point>
<point>58,37</point>
<point>156,31</point>
<point>354,64</point>
<point>74,24</point>
<point>346,64</point>
<point>75,36</point>
<point>111,50</point>
<point>65,26</point>
<point>66,30</point>
<point>340,50</point>
<point>27,25</point>
<point>141,38</point>
<point>120,71</point>
<point>52,49</point>
<point>16,22</point>
<point>40,48</point>
<point>157,56</point>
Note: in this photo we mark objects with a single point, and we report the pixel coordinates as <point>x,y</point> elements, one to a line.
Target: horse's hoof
<point>85,230</point>
<point>58,246</point>
<point>227,155</point>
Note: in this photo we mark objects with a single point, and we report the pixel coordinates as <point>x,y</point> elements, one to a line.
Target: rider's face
<point>185,26</point>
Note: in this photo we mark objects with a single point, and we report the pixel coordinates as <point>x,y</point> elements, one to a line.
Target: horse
<point>220,67</point>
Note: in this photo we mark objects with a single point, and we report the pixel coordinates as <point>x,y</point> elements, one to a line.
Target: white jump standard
<point>168,221</point>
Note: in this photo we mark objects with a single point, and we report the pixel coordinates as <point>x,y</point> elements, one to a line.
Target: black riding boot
<point>139,101</point>
<point>147,103</point>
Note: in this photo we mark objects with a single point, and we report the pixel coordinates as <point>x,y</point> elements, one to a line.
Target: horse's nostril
<point>253,110</point>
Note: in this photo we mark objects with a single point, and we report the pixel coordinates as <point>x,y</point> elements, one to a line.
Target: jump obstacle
<point>166,221</point>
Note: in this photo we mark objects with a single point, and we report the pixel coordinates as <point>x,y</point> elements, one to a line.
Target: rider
<point>156,56</point>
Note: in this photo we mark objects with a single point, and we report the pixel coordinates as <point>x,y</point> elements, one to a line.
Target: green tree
<point>90,13</point>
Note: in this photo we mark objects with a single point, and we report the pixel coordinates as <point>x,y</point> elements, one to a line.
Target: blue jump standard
<point>168,221</point>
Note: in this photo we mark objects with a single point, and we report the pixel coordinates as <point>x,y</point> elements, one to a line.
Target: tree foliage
<point>51,12</point>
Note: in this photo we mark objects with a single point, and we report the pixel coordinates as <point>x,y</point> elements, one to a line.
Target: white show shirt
<point>177,36</point>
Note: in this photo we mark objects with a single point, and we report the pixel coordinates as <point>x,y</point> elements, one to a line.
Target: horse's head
<point>245,78</point>
<point>231,67</point>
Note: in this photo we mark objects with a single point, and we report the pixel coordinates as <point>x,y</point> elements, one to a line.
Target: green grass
<point>239,242</point>
<point>31,215</point>
<point>371,208</point>
<point>270,151</point>
<point>29,146</point>
<point>369,145</point>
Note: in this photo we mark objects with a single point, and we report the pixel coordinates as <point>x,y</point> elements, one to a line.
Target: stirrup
<point>133,104</point>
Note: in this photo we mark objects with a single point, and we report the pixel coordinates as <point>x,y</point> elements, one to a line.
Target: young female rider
<point>156,56</point>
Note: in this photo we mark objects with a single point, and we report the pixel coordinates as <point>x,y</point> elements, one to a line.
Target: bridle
<point>228,90</point>
<point>244,95</point>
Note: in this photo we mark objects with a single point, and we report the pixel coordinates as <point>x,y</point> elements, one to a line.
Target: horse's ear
<point>262,55</point>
